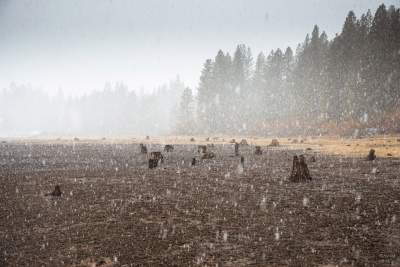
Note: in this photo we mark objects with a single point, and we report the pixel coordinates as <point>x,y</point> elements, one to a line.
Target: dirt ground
<point>114,211</point>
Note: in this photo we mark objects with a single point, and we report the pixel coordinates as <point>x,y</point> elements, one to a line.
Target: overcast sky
<point>78,45</point>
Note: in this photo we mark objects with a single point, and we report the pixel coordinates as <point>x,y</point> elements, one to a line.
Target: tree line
<point>115,110</point>
<point>323,87</point>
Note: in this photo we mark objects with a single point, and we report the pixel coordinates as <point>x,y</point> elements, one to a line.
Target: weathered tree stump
<point>153,163</point>
<point>207,139</point>
<point>143,149</point>
<point>168,148</point>
<point>313,159</point>
<point>258,150</point>
<point>300,172</point>
<point>233,141</point>
<point>236,149</point>
<point>371,155</point>
<point>147,137</point>
<point>274,142</point>
<point>242,161</point>
<point>76,139</point>
<point>56,192</point>
<point>243,142</point>
<point>192,139</point>
<point>157,155</point>
<point>201,149</point>
<point>295,141</point>
<point>208,155</point>
<point>193,161</point>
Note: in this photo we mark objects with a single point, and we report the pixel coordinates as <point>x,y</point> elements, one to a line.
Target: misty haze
<point>199,133</point>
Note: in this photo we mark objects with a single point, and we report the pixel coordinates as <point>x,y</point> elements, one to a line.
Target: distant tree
<point>186,122</point>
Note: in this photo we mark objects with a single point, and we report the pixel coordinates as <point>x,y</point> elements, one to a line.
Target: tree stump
<point>201,149</point>
<point>143,149</point>
<point>157,156</point>
<point>300,172</point>
<point>153,163</point>
<point>274,142</point>
<point>168,148</point>
<point>56,192</point>
<point>371,155</point>
<point>208,155</point>
<point>193,161</point>
<point>243,142</point>
<point>242,161</point>
<point>192,139</point>
<point>258,150</point>
<point>236,149</point>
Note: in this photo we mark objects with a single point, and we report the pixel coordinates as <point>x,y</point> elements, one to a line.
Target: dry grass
<point>385,146</point>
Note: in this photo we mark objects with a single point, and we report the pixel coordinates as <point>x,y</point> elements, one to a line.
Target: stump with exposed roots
<point>371,155</point>
<point>258,150</point>
<point>300,172</point>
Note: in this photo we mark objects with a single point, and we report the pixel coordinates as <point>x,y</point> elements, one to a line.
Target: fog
<point>109,67</point>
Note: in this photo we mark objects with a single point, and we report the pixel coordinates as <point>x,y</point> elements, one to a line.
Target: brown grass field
<point>114,211</point>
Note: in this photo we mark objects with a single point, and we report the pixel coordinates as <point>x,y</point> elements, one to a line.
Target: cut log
<point>300,172</point>
<point>258,150</point>
<point>371,155</point>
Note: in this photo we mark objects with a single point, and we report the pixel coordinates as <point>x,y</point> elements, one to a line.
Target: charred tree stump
<point>236,149</point>
<point>371,155</point>
<point>56,192</point>
<point>143,149</point>
<point>300,172</point>
<point>258,150</point>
